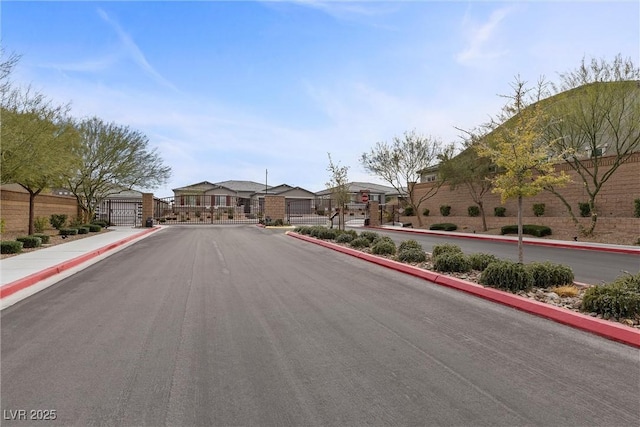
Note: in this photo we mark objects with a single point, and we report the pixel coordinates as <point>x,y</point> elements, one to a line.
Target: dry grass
<point>566,291</point>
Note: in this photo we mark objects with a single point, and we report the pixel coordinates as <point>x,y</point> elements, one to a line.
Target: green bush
<point>324,233</point>
<point>58,221</point>
<point>636,208</point>
<point>369,235</point>
<point>82,230</point>
<point>303,229</point>
<point>382,239</point>
<point>473,210</point>
<point>452,262</point>
<point>445,226</point>
<point>101,223</point>
<point>344,238</point>
<point>585,210</point>
<point>499,211</point>
<point>538,209</point>
<point>426,211</point>
<point>480,261</point>
<point>93,228</point>
<point>445,210</point>
<point>619,299</point>
<point>532,229</point>
<point>408,211</point>
<point>384,247</point>
<point>44,237</point>
<point>360,242</point>
<point>546,274</point>
<point>39,224</point>
<point>10,247</point>
<point>445,248</point>
<point>277,223</point>
<point>30,241</point>
<point>68,231</point>
<point>2,224</point>
<point>507,275</point>
<point>412,255</point>
<point>409,244</point>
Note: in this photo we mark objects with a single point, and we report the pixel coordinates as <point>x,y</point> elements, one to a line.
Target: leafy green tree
<point>517,149</point>
<point>338,184</point>
<point>38,143</point>
<point>596,115</point>
<point>112,158</point>
<point>400,162</point>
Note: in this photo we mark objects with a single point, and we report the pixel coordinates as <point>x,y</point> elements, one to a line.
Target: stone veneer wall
<point>14,209</point>
<point>275,207</point>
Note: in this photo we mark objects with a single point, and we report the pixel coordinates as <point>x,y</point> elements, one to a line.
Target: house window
<point>429,178</point>
<point>220,201</point>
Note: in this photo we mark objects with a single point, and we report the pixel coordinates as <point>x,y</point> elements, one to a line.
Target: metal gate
<point>121,212</point>
<point>308,212</point>
<point>205,209</point>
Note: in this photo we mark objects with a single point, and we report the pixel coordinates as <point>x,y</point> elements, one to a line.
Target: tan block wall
<point>14,209</point>
<point>147,207</point>
<point>615,200</point>
<point>275,207</point>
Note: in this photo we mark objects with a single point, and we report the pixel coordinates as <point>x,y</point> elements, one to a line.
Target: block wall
<point>14,209</point>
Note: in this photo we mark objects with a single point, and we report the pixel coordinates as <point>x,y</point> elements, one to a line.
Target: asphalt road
<point>239,325</point>
<point>592,267</point>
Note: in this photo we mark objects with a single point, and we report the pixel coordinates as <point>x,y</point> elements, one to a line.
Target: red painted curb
<point>528,242</point>
<point>32,279</point>
<point>604,328</point>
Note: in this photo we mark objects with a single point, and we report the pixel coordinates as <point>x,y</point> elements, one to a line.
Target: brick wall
<point>14,209</point>
<point>275,207</point>
<point>615,200</point>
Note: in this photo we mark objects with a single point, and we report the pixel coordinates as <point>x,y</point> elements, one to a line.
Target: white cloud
<point>480,38</point>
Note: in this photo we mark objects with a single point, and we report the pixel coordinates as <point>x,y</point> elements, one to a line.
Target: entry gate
<point>201,209</point>
<point>121,212</point>
<point>307,212</point>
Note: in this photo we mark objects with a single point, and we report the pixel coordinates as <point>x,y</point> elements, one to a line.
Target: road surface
<point>239,325</point>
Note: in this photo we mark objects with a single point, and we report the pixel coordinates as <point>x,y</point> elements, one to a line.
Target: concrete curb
<point>32,279</point>
<point>610,330</point>
<point>556,244</point>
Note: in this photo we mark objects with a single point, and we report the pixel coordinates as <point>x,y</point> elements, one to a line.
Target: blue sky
<point>226,90</point>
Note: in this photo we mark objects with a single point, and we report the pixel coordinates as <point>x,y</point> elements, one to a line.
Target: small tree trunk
<point>520,248</point>
<point>32,204</point>
<point>484,218</point>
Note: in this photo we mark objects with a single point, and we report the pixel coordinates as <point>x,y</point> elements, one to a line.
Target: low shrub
<point>30,241</point>
<point>93,228</point>
<point>473,210</point>
<point>302,229</point>
<point>445,210</point>
<point>547,274</point>
<point>344,238</point>
<point>44,237</point>
<point>58,221</point>
<point>507,275</point>
<point>383,247</point>
<point>101,223</point>
<point>82,230</point>
<point>40,224</point>
<point>480,261</point>
<point>585,210</point>
<point>277,223</point>
<point>409,244</point>
<point>531,229</point>
<point>426,211</point>
<point>499,211</point>
<point>619,299</point>
<point>445,248</point>
<point>382,239</point>
<point>369,235</point>
<point>324,233</point>
<point>408,211</point>
<point>452,262</point>
<point>360,242</point>
<point>68,231</point>
<point>412,255</point>
<point>445,226</point>
<point>538,209</point>
<point>10,247</point>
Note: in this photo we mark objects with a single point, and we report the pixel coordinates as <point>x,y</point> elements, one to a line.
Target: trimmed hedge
<point>499,211</point>
<point>532,229</point>
<point>412,255</point>
<point>446,226</point>
<point>473,210</point>
<point>547,274</point>
<point>82,230</point>
<point>452,262</point>
<point>10,247</point>
<point>507,275</point>
<point>44,237</point>
<point>408,211</point>
<point>618,299</point>
<point>445,248</point>
<point>30,241</point>
<point>68,231</point>
<point>93,228</point>
<point>445,210</point>
<point>538,209</point>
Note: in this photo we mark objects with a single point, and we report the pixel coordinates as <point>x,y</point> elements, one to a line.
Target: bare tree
<point>400,162</point>
<point>338,184</point>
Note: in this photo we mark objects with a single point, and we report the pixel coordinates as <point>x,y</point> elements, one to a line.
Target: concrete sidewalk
<point>28,273</point>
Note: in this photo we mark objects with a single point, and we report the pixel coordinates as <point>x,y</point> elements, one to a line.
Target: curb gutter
<point>610,330</point>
